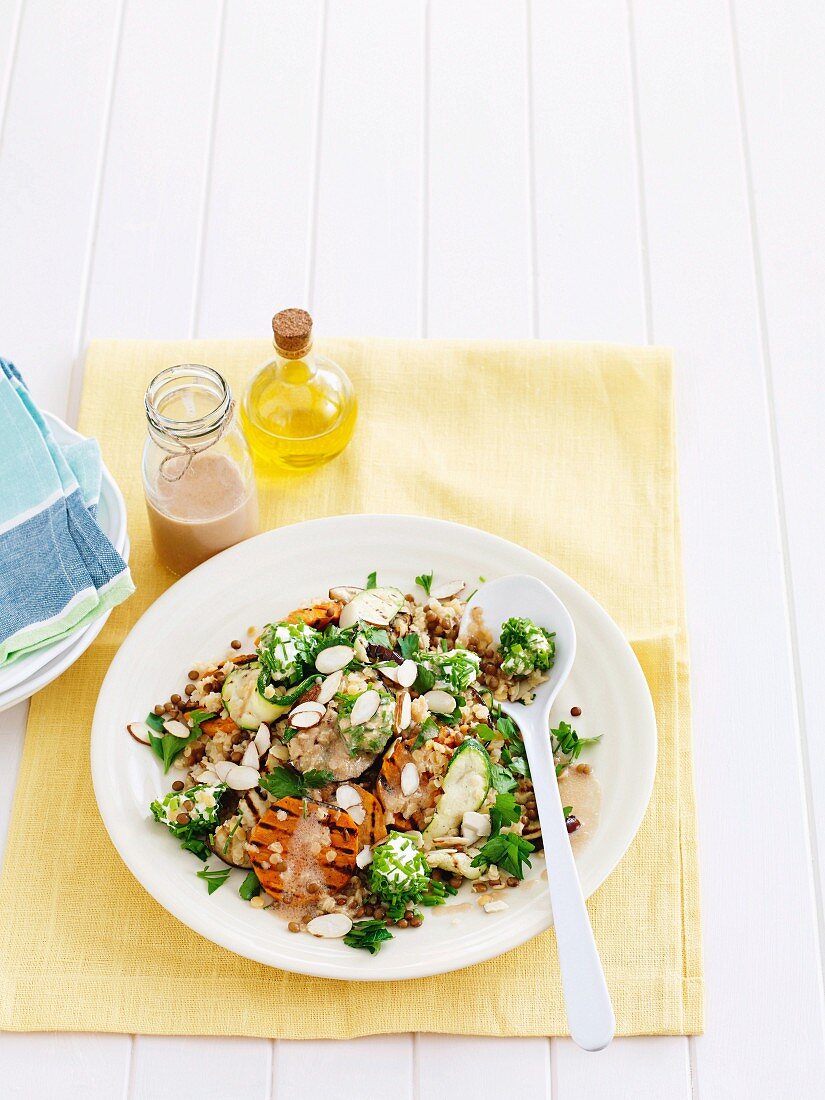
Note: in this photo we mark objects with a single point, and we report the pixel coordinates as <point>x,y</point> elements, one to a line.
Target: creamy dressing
<point>206,510</point>
<point>583,792</point>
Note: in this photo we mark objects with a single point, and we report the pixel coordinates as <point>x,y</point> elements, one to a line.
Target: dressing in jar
<point>198,477</point>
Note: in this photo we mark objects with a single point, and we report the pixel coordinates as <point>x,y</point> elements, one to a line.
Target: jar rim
<point>168,382</point>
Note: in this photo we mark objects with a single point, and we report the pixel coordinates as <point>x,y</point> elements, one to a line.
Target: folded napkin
<point>58,570</point>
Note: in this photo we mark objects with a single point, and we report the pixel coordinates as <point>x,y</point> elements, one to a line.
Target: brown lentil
<point>189,689</point>
<point>403,923</point>
<point>294,926</point>
<point>511,881</point>
<point>189,804</point>
<point>158,709</point>
<point>575,711</point>
<point>177,785</point>
<point>182,819</point>
<point>194,674</point>
<point>416,922</point>
<point>176,699</point>
<point>235,643</point>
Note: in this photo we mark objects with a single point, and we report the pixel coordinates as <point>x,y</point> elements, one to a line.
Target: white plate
<point>264,579</point>
<point>17,680</point>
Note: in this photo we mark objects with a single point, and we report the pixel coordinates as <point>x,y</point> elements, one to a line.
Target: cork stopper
<point>293,332</point>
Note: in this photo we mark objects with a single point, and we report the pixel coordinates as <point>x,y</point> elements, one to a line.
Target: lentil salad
<point>356,765</point>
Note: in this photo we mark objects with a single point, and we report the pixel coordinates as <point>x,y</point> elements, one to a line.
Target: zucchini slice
<point>245,703</point>
<point>465,787</point>
<point>375,606</point>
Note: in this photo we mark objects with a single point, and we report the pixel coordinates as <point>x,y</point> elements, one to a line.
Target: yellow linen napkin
<point>566,449</point>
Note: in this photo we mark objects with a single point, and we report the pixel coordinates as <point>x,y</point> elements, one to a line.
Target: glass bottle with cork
<point>299,410</point>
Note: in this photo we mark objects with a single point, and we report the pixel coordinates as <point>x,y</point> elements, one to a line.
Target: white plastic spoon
<point>589,1011</point>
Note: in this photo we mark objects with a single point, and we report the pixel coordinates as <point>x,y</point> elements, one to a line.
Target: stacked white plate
<point>22,678</point>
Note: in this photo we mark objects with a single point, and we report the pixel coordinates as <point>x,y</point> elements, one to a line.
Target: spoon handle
<point>589,1010</point>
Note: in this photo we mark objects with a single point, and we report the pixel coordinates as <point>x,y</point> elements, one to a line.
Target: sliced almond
<point>330,926</point>
<point>364,857</point>
<point>403,711</point>
<point>440,702</point>
<point>329,687</point>
<point>176,728</point>
<point>305,719</point>
<point>250,756</point>
<point>344,593</point>
<point>222,769</point>
<point>240,778</point>
<point>365,707</point>
<point>410,779</point>
<point>358,814</point>
<point>347,796</point>
<point>406,673</point>
<point>389,672</point>
<point>209,778</point>
<point>311,705</point>
<point>333,658</point>
<point>448,590</point>
<point>263,739</point>
<point>140,731</point>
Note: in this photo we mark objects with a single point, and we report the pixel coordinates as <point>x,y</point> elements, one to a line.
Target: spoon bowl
<point>589,1010</point>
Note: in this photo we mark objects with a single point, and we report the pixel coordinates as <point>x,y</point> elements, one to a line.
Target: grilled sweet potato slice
<point>320,615</point>
<point>400,808</point>
<point>296,874</point>
<point>373,828</point>
<point>219,725</point>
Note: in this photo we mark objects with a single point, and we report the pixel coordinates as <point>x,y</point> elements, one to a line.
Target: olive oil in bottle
<point>299,410</point>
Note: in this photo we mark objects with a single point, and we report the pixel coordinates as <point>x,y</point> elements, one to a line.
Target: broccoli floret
<point>525,648</point>
<point>454,670</point>
<point>399,874</point>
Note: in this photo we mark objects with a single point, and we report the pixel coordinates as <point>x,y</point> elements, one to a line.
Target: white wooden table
<point>648,170</point>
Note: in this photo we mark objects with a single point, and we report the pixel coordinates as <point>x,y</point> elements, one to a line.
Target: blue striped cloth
<point>58,570</point>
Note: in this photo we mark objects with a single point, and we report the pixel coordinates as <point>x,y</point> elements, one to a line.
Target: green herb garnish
<point>250,887</point>
<point>509,851</point>
<point>198,846</point>
<point>372,580</point>
<point>286,783</point>
<point>567,743</point>
<point>429,730</point>
<point>167,747</point>
<point>316,778</point>
<point>368,934</point>
<point>503,780</point>
<point>426,581</point>
<point>504,811</point>
<point>214,879</point>
<point>438,893</point>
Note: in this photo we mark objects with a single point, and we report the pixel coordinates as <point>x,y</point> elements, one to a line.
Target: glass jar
<point>198,478</point>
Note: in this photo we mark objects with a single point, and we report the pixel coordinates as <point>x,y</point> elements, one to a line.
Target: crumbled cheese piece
<point>495,906</point>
